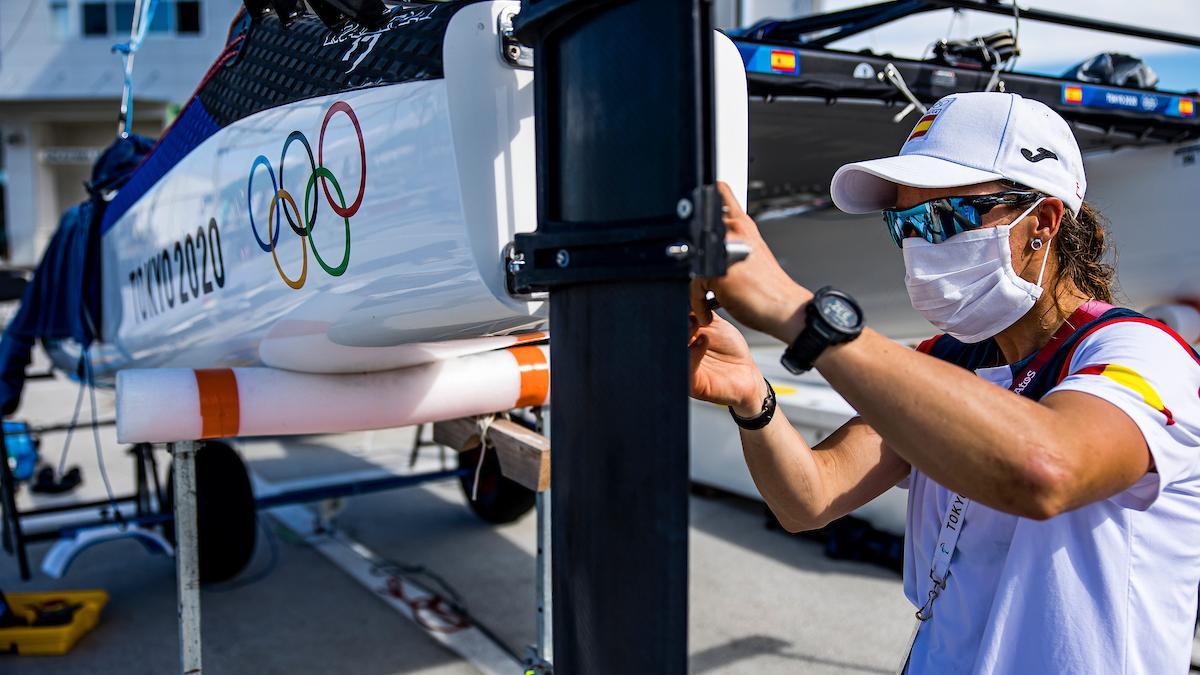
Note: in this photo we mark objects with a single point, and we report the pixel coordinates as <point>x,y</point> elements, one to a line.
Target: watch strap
<point>804,350</point>
<point>763,418</point>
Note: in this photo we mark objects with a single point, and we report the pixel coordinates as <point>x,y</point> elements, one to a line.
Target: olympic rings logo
<point>283,200</point>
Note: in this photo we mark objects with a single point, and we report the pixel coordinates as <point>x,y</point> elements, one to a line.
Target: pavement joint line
<point>359,562</point>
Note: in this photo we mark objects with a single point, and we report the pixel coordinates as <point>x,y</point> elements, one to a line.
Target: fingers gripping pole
<point>187,556</point>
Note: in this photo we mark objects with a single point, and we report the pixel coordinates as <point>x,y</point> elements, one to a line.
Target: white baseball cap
<point>971,138</point>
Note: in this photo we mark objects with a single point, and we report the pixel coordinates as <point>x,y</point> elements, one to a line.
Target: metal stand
<point>544,657</point>
<point>187,555</point>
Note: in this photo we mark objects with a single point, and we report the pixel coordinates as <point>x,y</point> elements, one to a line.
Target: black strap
<point>763,418</point>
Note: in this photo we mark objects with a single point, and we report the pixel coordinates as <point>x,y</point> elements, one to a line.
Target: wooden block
<point>524,455</point>
<point>460,434</point>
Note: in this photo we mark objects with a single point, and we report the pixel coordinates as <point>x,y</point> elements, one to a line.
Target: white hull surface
<point>190,280</point>
<point>421,185</point>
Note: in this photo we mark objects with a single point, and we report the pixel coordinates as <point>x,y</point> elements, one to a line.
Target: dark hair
<point>1080,248</point>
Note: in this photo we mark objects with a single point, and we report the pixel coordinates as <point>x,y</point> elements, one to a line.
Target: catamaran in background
<point>814,108</point>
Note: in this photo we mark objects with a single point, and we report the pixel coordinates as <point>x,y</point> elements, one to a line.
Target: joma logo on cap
<point>1042,153</point>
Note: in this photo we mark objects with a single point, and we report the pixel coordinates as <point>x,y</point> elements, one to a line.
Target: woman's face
<point>1041,223</point>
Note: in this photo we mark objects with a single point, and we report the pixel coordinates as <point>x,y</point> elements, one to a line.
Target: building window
<point>94,18</point>
<point>60,18</point>
<point>163,18</point>
<point>114,18</point>
<point>122,17</point>
<point>187,17</point>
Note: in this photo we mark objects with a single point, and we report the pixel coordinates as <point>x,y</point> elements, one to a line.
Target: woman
<point>1053,518</point>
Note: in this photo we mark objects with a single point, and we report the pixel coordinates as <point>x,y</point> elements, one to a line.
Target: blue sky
<point>1050,49</point>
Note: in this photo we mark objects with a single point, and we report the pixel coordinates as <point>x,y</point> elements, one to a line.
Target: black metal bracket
<point>688,243</point>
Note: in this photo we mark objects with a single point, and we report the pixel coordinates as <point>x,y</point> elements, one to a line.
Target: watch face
<point>839,312</point>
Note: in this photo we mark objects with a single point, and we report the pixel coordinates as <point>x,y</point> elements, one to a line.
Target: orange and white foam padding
<point>162,405</point>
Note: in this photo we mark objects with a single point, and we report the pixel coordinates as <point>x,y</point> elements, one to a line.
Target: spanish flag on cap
<point>922,127</point>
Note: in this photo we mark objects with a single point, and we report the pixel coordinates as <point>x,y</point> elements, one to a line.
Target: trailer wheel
<point>498,500</point>
<point>227,520</point>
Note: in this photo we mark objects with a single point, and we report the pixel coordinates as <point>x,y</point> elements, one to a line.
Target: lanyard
<point>955,516</point>
<point>956,512</point>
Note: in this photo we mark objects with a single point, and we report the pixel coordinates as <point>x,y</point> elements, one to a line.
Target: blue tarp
<point>63,298</point>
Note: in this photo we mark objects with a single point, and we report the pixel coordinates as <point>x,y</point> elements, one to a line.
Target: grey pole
<point>187,556</point>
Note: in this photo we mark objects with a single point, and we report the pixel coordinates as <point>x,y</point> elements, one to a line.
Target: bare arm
<point>805,488</point>
<point>1029,458</point>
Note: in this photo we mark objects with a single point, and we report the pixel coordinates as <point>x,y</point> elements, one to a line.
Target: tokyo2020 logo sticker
<point>303,222</point>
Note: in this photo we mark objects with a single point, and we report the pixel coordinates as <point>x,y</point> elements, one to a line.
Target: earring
<point>1036,244</point>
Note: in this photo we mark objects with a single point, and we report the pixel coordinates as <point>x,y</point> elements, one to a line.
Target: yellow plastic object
<point>51,640</point>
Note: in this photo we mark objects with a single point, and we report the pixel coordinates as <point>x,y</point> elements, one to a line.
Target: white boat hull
<point>246,254</point>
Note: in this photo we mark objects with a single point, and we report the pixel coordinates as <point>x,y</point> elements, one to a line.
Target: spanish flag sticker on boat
<point>783,61</point>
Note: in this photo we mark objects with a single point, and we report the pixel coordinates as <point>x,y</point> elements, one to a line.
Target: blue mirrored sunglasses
<point>939,219</point>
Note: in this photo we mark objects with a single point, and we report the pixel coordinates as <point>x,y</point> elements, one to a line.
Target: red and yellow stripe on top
<point>922,127</point>
<point>783,60</point>
<point>219,406</point>
<point>535,375</point>
<point>1130,379</point>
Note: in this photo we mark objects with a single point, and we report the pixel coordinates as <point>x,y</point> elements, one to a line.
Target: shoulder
<point>1132,340</point>
<point>1153,376</point>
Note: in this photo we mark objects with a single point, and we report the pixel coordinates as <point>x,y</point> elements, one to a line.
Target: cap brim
<point>868,186</point>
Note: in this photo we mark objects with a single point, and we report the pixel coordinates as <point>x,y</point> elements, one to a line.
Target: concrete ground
<point>760,602</point>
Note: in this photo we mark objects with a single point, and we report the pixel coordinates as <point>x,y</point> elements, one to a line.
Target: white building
<point>60,90</point>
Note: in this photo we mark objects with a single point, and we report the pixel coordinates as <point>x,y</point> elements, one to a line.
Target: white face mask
<point>966,285</point>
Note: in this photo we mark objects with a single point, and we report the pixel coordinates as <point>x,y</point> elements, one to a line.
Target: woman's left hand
<point>722,370</point>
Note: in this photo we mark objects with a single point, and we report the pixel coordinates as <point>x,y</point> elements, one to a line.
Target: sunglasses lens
<point>934,221</point>
<point>892,220</point>
<point>914,222</point>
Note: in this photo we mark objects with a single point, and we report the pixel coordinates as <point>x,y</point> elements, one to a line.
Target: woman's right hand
<point>722,370</point>
<point>757,292</point>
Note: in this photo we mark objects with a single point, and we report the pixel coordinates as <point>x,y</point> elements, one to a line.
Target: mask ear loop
<point>1046,255</point>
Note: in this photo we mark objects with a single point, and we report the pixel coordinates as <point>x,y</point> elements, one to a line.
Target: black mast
<point>626,213</point>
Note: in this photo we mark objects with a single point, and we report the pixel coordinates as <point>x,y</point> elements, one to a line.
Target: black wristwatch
<point>830,318</point>
<point>763,418</point>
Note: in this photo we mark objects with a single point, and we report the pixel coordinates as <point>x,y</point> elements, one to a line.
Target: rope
<point>485,425</point>
<point>91,384</point>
